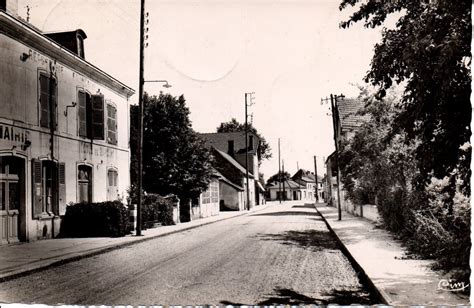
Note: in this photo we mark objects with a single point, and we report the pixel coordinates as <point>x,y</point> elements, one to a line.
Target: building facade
<point>64,130</point>
<point>232,147</point>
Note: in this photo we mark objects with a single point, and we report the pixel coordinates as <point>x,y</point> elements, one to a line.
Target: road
<point>283,254</point>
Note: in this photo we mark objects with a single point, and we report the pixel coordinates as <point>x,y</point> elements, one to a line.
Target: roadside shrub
<point>108,219</point>
<point>156,209</point>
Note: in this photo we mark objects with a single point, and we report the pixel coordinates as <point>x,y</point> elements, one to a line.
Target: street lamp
<point>166,85</point>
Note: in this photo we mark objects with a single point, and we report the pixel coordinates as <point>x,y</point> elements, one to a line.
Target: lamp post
<point>140,147</point>
<point>141,82</point>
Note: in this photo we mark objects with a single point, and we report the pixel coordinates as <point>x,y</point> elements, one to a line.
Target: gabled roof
<point>30,36</point>
<point>288,184</point>
<point>305,176</point>
<point>348,116</point>
<point>234,162</point>
<point>226,180</point>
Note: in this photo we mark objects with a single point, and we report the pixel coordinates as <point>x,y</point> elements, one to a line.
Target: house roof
<point>348,116</point>
<point>288,184</point>
<point>29,35</point>
<point>305,176</point>
<point>222,178</point>
<point>234,163</point>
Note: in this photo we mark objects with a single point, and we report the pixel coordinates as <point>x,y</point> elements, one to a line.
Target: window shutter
<point>54,103</point>
<point>111,124</point>
<point>82,114</point>
<point>62,188</point>
<point>36,168</point>
<point>98,117</point>
<point>44,101</point>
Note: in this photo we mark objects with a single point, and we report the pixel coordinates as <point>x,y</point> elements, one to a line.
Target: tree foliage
<point>380,165</point>
<point>175,159</point>
<point>429,51</point>
<point>276,178</point>
<point>264,150</point>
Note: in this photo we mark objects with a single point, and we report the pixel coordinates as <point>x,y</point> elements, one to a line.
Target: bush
<point>110,219</point>
<point>156,209</point>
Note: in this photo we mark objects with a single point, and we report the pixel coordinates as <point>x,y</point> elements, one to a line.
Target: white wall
<point>19,91</point>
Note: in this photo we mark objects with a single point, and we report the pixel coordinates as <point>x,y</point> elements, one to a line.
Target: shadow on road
<point>340,297</point>
<point>315,240</point>
<point>305,206</point>
<point>286,213</point>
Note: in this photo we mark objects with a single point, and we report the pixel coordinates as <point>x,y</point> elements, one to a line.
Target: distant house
<point>233,182</point>
<point>290,190</point>
<point>231,146</point>
<point>347,122</point>
<point>307,179</point>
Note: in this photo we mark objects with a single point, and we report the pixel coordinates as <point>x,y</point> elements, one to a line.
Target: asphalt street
<point>281,255</point>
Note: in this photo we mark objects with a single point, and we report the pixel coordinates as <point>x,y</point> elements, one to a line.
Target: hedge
<point>101,219</point>
<point>156,209</point>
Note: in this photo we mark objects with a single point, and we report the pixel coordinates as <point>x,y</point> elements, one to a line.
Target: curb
<point>380,295</point>
<point>105,249</point>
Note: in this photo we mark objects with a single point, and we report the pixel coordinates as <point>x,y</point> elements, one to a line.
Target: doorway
<point>11,198</point>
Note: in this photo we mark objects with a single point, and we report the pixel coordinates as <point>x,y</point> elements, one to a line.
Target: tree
<point>264,150</point>
<point>377,165</point>
<point>429,51</point>
<point>175,159</point>
<point>275,178</point>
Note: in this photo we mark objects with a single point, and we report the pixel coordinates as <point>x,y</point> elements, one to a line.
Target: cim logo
<point>451,285</point>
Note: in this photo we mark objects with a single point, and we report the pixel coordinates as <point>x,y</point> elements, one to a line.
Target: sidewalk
<point>23,258</point>
<point>399,281</point>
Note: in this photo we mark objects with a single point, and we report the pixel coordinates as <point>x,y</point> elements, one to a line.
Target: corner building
<point>64,129</point>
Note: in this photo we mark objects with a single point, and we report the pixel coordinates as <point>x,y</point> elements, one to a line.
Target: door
<point>10,198</point>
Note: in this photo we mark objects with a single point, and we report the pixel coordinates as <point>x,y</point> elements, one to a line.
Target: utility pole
<point>279,172</point>
<point>247,146</point>
<point>336,124</point>
<point>247,154</point>
<point>140,119</point>
<point>283,170</point>
<point>316,178</point>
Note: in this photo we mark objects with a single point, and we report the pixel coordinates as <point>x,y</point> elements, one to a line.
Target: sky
<point>290,53</point>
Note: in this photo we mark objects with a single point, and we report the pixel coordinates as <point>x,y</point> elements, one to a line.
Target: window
<point>90,115</point>
<point>111,124</point>
<point>84,183</point>
<point>112,187</point>
<point>211,195</point>
<point>250,143</point>
<point>49,183</point>
<point>83,99</point>
<point>47,101</point>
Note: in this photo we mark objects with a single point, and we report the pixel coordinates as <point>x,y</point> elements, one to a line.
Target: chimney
<point>230,148</point>
<point>9,6</point>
